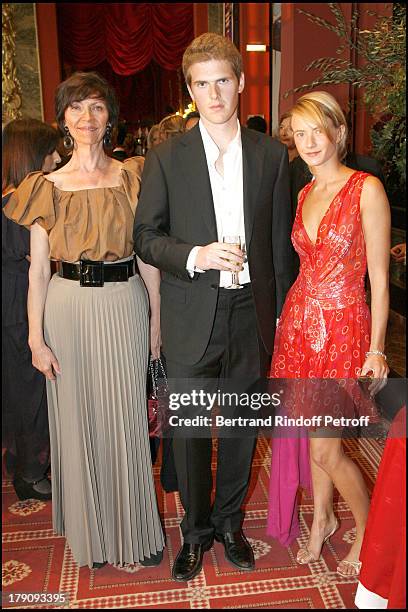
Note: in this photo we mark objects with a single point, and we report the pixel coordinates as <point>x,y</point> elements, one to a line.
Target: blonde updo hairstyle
<point>173,125</point>
<point>320,107</point>
<point>155,129</point>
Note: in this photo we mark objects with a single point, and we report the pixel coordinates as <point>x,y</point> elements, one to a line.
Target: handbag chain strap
<point>156,369</point>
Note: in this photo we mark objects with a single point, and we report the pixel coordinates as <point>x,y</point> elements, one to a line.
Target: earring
<point>107,139</point>
<point>68,140</point>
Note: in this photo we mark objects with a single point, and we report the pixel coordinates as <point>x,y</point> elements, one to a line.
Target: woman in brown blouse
<point>89,334</point>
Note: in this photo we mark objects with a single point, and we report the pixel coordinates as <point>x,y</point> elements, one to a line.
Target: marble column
<point>22,67</point>
<point>216,17</point>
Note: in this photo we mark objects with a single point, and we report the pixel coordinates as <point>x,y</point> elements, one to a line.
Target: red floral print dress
<point>324,328</point>
<point>320,345</point>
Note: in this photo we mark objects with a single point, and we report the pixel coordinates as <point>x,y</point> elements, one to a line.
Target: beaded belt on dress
<point>327,296</point>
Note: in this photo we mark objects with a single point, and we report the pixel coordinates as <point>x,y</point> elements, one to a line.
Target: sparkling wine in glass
<point>235,241</point>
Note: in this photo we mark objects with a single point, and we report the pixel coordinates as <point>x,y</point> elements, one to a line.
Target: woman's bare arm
<point>151,278</point>
<point>376,222</point>
<point>39,278</point>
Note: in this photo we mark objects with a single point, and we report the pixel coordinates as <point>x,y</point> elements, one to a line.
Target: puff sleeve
<point>132,174</point>
<point>32,202</point>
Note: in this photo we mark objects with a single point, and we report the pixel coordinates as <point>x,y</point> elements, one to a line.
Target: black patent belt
<point>96,273</point>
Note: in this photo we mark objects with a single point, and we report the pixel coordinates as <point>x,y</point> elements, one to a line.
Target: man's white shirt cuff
<point>190,266</point>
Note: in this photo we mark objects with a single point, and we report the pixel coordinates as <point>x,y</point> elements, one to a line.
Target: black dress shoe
<point>26,490</point>
<point>152,560</point>
<point>96,565</point>
<point>189,561</point>
<point>237,549</point>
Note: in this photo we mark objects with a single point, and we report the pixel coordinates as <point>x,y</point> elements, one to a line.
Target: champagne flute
<point>243,248</point>
<point>235,241</point>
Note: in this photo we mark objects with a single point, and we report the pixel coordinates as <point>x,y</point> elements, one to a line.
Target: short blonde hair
<point>320,107</point>
<point>153,130</point>
<point>210,46</point>
<point>172,125</point>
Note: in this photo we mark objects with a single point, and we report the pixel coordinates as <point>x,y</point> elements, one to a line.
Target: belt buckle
<point>91,273</point>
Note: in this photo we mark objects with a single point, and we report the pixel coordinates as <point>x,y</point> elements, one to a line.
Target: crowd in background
<point>149,134</point>
<point>129,142</point>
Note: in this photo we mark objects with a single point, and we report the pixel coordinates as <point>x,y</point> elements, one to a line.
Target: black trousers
<point>25,432</point>
<point>235,354</point>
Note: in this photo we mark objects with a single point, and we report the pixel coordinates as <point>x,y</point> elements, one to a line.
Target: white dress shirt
<point>228,198</point>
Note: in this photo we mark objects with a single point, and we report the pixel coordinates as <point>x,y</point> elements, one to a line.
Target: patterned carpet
<point>35,561</point>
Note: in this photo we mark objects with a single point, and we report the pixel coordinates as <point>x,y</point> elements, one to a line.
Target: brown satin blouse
<point>95,224</point>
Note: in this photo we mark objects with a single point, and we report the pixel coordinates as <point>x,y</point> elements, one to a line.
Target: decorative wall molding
<point>228,20</point>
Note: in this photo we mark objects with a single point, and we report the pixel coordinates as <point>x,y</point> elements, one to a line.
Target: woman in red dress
<point>342,226</point>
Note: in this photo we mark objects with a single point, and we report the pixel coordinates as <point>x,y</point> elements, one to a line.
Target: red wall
<point>200,18</point>
<point>49,55</point>
<point>254,28</point>
<point>302,42</point>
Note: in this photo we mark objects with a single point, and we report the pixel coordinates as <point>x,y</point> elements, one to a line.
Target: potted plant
<point>381,75</point>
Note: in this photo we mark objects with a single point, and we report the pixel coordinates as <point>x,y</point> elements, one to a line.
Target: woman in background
<point>153,137</point>
<point>285,135</point>
<point>28,146</point>
<point>171,126</point>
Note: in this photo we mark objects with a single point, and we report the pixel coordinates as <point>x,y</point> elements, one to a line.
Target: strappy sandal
<point>309,557</point>
<point>356,565</point>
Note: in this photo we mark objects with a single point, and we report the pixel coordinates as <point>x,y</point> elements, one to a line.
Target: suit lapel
<point>194,167</point>
<point>252,163</point>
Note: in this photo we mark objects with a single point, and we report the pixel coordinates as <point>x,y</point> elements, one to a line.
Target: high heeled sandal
<point>356,565</point>
<point>309,557</point>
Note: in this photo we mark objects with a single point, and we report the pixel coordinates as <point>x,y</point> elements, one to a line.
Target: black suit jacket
<point>176,212</point>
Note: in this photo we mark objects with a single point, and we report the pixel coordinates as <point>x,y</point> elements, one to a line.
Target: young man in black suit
<point>217,179</point>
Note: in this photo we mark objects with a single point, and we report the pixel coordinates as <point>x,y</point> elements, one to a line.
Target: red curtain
<point>128,36</point>
<point>138,48</point>
<point>152,93</point>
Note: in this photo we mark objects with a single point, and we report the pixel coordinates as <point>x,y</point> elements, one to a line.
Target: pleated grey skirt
<point>103,495</point>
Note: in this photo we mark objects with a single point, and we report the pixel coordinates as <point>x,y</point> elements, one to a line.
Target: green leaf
<point>380,73</point>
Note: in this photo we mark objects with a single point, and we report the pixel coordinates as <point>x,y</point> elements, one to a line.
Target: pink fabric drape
<point>290,469</point>
<point>127,35</point>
